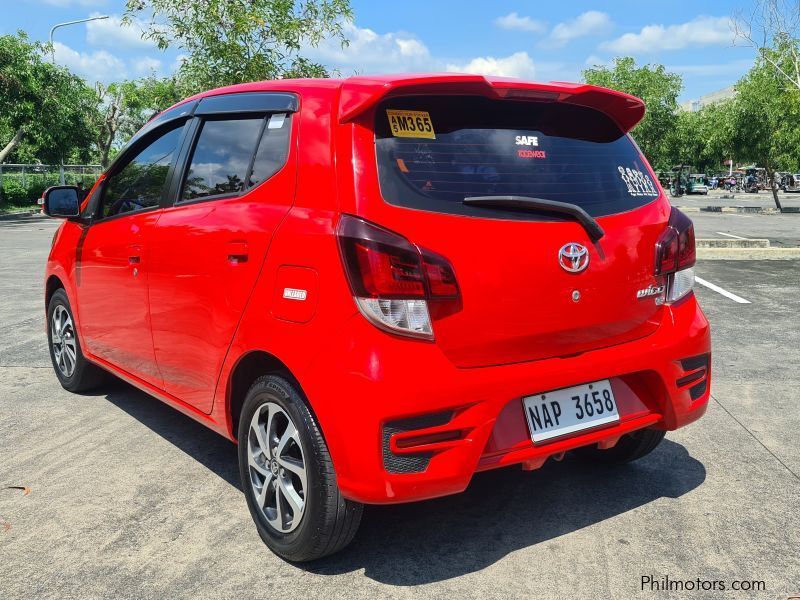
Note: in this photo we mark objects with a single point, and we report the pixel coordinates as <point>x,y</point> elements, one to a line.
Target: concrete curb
<point>732,243</point>
<point>22,214</point>
<point>758,210</point>
<point>748,253</point>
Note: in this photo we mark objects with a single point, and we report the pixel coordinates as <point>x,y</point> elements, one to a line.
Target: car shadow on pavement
<point>500,512</point>
<point>503,511</point>
<point>210,449</point>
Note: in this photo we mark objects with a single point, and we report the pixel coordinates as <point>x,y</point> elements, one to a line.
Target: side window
<point>222,161</point>
<point>140,183</point>
<point>221,158</point>
<point>273,149</point>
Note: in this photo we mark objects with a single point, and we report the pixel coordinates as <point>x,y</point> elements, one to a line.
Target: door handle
<point>134,258</point>
<point>237,252</point>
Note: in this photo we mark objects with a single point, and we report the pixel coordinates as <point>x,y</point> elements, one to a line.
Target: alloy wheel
<point>277,467</point>
<point>62,337</point>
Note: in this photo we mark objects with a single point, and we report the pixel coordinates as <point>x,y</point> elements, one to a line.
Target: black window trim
<point>131,151</point>
<point>247,103</point>
<point>149,132</point>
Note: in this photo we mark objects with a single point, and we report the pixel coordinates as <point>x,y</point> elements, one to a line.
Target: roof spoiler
<point>359,94</point>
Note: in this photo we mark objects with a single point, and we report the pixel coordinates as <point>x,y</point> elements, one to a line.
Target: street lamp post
<point>53,57</point>
<point>57,25</point>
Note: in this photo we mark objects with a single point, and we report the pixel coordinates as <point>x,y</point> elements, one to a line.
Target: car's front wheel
<point>288,477</point>
<point>74,372</point>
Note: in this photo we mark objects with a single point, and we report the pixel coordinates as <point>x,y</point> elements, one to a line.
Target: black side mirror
<point>62,201</point>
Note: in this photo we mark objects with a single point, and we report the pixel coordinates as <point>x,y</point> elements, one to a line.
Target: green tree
<point>124,107</point>
<point>658,88</point>
<point>772,29</point>
<point>45,111</point>
<point>764,131</point>
<point>702,138</point>
<point>234,41</point>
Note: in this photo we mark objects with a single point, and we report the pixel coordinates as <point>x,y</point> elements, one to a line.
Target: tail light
<point>393,281</point>
<point>676,255</point>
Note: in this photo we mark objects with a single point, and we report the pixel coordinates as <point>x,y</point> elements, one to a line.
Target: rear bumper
<point>371,387</point>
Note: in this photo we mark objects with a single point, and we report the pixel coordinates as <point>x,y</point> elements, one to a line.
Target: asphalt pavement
<point>130,499</point>
<point>782,230</point>
<point>721,198</point>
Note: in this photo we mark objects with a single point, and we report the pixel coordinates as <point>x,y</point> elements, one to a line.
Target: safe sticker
<point>411,124</point>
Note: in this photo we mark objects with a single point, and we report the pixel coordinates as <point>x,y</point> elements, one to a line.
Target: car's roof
<point>359,93</point>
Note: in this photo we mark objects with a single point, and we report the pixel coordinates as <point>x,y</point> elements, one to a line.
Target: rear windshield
<point>434,151</point>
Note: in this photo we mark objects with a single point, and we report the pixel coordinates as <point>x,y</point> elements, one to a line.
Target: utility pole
<point>53,57</point>
<point>57,25</point>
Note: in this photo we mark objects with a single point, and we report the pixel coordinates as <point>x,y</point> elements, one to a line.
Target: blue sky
<point>534,40</point>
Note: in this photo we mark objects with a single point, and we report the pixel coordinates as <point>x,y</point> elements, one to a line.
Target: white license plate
<point>566,411</point>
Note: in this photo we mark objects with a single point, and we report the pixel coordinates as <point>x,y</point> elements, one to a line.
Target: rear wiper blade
<point>528,203</point>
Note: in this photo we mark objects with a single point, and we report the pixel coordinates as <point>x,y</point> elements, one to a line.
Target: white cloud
<point>399,52</point>
<point>734,68</point>
<point>515,22</point>
<point>178,62</point>
<point>69,3</point>
<point>371,52</point>
<point>700,31</point>
<point>593,60</point>
<point>94,66</point>
<point>146,65</point>
<point>518,64</point>
<point>113,33</point>
<point>592,22</point>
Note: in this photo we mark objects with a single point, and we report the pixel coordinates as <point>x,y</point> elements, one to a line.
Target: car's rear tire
<point>74,372</point>
<point>288,477</point>
<point>631,446</point>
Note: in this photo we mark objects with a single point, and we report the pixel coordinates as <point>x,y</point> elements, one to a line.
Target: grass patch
<point>12,208</point>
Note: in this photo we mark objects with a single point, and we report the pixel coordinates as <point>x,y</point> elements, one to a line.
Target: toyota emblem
<point>573,257</point>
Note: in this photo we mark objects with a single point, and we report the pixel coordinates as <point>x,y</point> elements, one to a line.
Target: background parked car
<point>697,184</point>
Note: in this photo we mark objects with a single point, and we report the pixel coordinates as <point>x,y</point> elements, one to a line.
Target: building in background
<point>712,98</point>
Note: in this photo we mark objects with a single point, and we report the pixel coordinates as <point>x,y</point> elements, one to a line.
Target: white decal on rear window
<point>638,183</point>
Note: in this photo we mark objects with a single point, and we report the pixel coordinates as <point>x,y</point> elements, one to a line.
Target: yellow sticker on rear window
<point>411,124</point>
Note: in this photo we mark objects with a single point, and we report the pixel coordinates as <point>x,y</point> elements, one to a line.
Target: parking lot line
<point>719,290</point>
<point>736,237</point>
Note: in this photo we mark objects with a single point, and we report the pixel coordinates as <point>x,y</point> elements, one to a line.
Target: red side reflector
<point>429,438</point>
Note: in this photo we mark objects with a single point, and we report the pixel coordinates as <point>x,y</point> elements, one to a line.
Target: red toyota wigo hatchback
<point>379,286</point>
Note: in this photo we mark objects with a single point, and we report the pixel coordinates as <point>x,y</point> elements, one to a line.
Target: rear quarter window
<point>432,152</point>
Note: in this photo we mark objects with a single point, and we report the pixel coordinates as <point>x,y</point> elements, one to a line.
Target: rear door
<point>208,247</point>
<point>526,293</point>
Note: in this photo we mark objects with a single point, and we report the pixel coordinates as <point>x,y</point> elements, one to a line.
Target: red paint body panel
<point>361,93</point>
<point>204,261</point>
<point>180,328</point>
<point>115,325</point>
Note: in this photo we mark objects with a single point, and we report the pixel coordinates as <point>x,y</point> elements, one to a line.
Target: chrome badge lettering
<point>653,290</point>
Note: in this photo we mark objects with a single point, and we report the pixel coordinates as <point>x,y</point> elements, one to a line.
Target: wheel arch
<point>53,283</point>
<point>250,367</point>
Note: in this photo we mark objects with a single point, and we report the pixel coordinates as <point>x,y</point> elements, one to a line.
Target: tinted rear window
<point>435,151</point>
<point>222,158</point>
